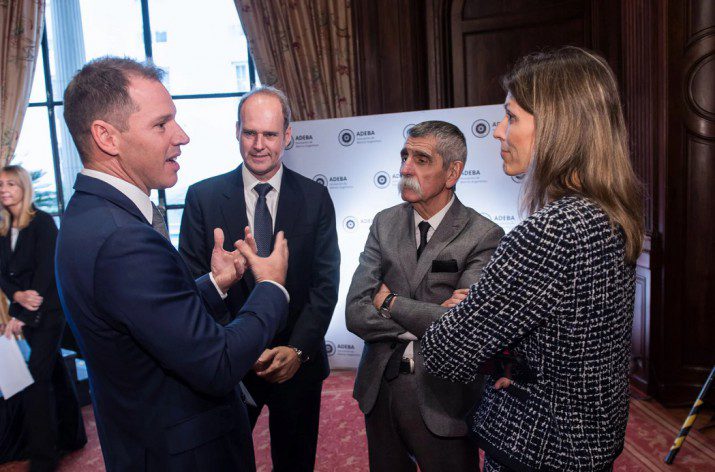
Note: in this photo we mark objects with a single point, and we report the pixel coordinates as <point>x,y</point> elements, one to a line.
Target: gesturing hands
<point>273,267</point>
<point>278,364</point>
<point>28,299</point>
<point>227,268</point>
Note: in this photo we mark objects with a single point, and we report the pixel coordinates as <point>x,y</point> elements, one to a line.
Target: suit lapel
<point>452,224</point>
<point>234,209</point>
<point>290,204</point>
<point>407,247</point>
<point>234,216</point>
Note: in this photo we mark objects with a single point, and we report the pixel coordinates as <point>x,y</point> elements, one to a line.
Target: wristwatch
<point>301,355</point>
<point>384,310</point>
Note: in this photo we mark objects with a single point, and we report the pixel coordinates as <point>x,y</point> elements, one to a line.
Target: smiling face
<point>515,133</point>
<point>11,192</point>
<point>261,136</point>
<point>149,147</point>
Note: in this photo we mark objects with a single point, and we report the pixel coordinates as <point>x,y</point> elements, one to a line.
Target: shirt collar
<point>250,180</point>
<point>436,218</point>
<point>131,191</point>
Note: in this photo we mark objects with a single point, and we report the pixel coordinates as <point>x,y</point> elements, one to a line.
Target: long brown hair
<point>27,211</point>
<point>580,138</point>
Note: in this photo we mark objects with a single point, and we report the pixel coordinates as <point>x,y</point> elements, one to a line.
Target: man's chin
<point>410,196</point>
<point>168,183</point>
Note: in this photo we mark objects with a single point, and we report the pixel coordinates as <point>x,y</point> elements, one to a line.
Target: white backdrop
<point>358,159</point>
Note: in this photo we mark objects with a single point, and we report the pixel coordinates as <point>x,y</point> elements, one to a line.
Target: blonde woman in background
<point>52,419</point>
<point>559,290</point>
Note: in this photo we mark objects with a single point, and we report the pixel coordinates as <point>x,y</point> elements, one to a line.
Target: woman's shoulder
<point>42,218</point>
<point>570,213</point>
<point>564,221</point>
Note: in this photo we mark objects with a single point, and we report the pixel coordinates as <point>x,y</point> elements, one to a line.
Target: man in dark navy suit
<point>163,372</point>
<point>268,197</point>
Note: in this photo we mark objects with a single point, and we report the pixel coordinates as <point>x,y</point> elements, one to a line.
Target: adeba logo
<point>381,179</point>
<point>518,178</point>
<point>406,130</point>
<point>350,224</point>
<point>330,348</point>
<point>290,144</point>
<point>346,137</point>
<point>480,128</point>
<point>321,179</point>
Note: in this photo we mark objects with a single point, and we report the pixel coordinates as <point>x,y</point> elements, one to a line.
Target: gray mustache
<point>410,183</point>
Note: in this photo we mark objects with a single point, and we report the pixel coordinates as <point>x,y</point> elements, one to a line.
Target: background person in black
<point>52,418</point>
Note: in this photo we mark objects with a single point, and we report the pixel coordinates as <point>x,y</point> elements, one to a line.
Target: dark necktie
<point>158,222</point>
<point>424,228</point>
<point>262,221</point>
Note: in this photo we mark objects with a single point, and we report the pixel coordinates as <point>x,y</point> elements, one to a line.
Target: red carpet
<point>342,445</point>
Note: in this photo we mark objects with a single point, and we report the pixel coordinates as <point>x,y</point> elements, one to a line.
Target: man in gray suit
<point>419,260</point>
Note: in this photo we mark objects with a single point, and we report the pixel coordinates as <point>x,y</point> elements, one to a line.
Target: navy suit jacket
<point>306,215</point>
<point>162,371</point>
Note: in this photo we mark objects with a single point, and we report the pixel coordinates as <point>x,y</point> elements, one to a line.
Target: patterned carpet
<point>342,445</point>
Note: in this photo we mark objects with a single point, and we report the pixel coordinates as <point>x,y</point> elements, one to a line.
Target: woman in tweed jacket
<point>559,290</point>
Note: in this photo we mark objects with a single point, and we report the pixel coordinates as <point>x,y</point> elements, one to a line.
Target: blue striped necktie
<point>262,221</point>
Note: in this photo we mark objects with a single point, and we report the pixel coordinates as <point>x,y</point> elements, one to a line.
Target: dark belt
<point>407,366</point>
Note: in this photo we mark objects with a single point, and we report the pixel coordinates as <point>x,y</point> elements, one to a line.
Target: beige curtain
<point>21,22</point>
<point>306,49</point>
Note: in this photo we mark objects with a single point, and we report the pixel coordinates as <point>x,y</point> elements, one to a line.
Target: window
<point>202,48</point>
<point>242,76</point>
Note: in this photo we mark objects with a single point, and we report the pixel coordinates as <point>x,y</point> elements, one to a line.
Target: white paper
<point>14,374</point>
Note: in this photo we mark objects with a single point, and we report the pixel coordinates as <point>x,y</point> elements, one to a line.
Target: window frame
<point>50,104</point>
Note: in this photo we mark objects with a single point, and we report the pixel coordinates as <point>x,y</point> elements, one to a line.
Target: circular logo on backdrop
<point>321,179</point>
<point>330,348</point>
<point>346,137</point>
<point>290,144</point>
<point>480,128</point>
<point>407,129</point>
<point>486,215</point>
<point>350,224</point>
<point>381,179</point>
<point>518,178</point>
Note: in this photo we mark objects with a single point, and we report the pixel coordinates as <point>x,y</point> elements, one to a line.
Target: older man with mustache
<point>419,260</point>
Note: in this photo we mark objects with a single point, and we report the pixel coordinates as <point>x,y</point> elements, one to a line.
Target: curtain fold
<point>21,22</point>
<point>306,49</point>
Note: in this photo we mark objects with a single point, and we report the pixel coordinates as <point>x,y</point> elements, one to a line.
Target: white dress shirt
<point>434,223</point>
<point>14,233</point>
<point>251,196</point>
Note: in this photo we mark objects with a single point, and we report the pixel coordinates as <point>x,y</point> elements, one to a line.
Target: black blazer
<point>307,216</point>
<point>31,266</point>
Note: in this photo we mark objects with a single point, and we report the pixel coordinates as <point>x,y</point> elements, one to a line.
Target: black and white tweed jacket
<point>559,294</point>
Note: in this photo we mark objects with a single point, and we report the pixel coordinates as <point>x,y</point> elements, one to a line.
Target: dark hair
<point>451,144</point>
<point>272,91</point>
<point>99,92</point>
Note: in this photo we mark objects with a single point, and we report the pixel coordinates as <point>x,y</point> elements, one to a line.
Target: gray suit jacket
<point>390,256</point>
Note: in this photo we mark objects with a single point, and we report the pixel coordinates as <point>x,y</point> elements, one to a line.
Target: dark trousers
<point>293,418</point>
<point>398,439</point>
<point>52,420</point>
